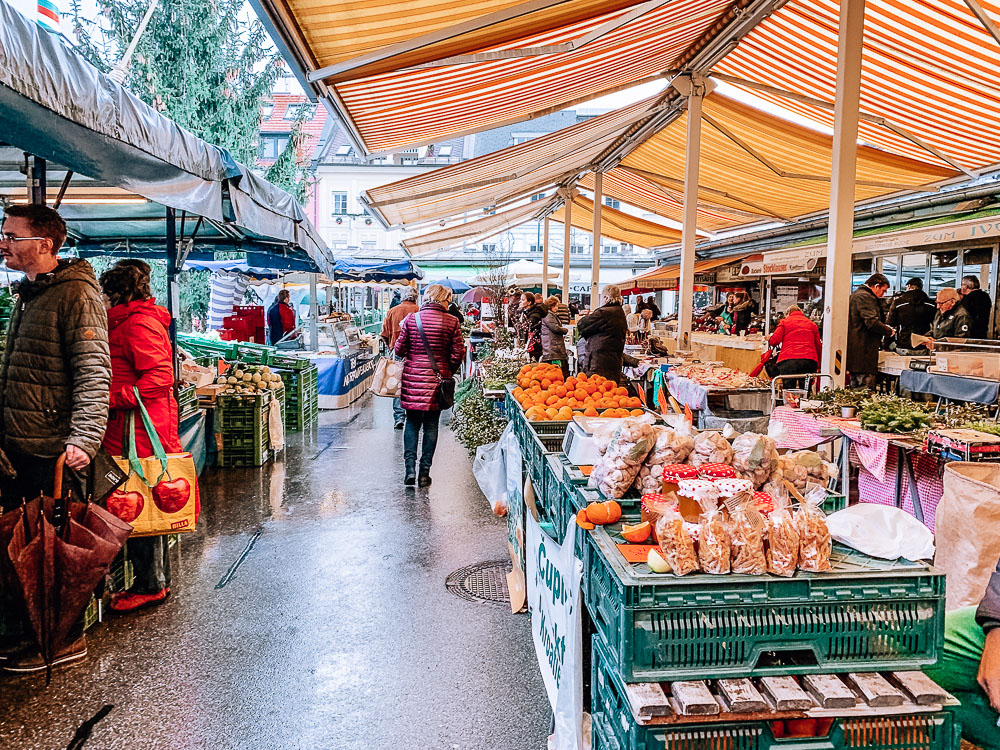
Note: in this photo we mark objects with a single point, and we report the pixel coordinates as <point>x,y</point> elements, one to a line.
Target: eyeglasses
<point>7,237</point>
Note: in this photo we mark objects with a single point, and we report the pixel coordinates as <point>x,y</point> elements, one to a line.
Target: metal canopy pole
<point>842,185</point>
<point>173,291</point>
<point>545,258</point>
<point>567,239</point>
<point>37,182</point>
<point>313,313</point>
<point>694,88</point>
<point>595,258</point>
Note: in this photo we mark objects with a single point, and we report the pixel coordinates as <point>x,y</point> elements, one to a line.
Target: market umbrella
<point>454,285</point>
<point>59,551</point>
<point>478,295</point>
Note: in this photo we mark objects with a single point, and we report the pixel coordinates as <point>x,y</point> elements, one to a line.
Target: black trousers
<point>796,367</point>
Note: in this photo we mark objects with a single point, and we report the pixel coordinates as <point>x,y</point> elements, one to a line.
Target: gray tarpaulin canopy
<point>55,105</point>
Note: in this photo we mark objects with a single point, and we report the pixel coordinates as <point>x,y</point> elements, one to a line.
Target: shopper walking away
<point>969,667</point>
<point>390,332</point>
<point>430,343</point>
<point>605,330</point>
<point>952,320</point>
<point>800,344</point>
<point>396,299</point>
<point>911,312</point>
<point>977,303</point>
<point>554,338</point>
<point>54,377</point>
<point>865,331</point>
<point>280,317</point>
<point>141,358</point>
<point>533,316</point>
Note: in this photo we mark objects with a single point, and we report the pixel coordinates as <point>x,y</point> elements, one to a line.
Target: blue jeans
<point>429,422</point>
<point>398,412</point>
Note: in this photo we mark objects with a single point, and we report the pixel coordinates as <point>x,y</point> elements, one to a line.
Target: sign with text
<point>554,574</point>
<point>784,262</point>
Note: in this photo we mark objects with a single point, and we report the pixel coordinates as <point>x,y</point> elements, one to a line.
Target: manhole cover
<point>485,581</point>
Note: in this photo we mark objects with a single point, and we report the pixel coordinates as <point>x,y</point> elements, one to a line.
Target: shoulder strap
<point>427,346</point>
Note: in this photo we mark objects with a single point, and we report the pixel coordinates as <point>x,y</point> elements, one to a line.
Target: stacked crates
<point>301,396</point>
<point>241,429</point>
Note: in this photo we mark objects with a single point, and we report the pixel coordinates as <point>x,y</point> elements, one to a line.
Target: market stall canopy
<point>348,270</point>
<point>407,73</point>
<point>753,161</point>
<point>667,277</point>
<point>505,176</point>
<point>471,232</point>
<point>618,225</point>
<point>57,106</point>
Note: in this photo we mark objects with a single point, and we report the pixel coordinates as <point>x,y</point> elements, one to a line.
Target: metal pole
<point>545,259</point>
<point>842,185</point>
<point>173,293</point>
<point>567,239</point>
<point>313,313</point>
<point>595,257</point>
<point>694,88</point>
<point>37,181</point>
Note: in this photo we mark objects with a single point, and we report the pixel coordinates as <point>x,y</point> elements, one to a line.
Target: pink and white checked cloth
<point>804,430</point>
<point>930,485</point>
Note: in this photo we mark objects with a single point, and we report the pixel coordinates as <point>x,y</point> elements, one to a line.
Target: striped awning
<point>618,225</point>
<point>930,68</point>
<point>757,163</point>
<point>504,176</point>
<point>471,232</point>
<point>666,277</point>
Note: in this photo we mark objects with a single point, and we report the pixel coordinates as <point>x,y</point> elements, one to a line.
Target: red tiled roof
<point>312,129</point>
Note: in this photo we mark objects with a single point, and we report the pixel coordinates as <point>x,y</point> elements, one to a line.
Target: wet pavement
<point>335,630</point>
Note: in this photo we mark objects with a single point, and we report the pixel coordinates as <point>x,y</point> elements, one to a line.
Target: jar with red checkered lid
<point>652,506</point>
<point>716,471</point>
<point>764,502</point>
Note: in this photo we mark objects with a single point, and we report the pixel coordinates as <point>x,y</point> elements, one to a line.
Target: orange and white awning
<point>617,225</point>
<point>471,232</point>
<point>667,277</point>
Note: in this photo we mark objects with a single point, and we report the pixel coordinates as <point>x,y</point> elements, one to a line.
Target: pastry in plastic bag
<point>710,448</point>
<point>755,457</point>
<point>747,543</point>
<point>616,470</point>
<point>782,540</point>
<point>802,467</point>
<point>814,536</point>
<point>713,539</point>
<point>672,447</point>
<point>793,471</point>
<point>676,544</point>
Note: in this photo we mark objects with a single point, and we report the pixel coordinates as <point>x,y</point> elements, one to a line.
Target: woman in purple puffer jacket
<point>420,383</point>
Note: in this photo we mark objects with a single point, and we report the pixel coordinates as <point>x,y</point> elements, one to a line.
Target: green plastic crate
<point>199,346</point>
<point>241,428</point>
<point>616,729</point>
<point>287,361</point>
<point>864,615</point>
<point>539,444</point>
<point>301,397</point>
<point>253,354</point>
<point>187,400</point>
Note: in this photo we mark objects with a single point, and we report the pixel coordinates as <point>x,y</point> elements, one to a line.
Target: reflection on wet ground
<point>309,611</point>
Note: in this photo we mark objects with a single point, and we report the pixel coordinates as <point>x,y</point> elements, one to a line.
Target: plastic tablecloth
<point>954,387</point>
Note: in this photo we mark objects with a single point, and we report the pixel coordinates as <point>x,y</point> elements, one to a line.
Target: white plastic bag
<point>881,531</point>
<point>388,378</point>
<point>490,469</point>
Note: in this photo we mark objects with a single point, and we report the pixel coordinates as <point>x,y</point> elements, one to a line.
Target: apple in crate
<point>171,497</point>
<point>126,505</point>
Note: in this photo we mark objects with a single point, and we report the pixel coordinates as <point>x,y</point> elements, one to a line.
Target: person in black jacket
<point>534,314</point>
<point>977,303</point>
<point>456,311</point>
<point>865,331</point>
<point>911,312</point>
<point>605,330</point>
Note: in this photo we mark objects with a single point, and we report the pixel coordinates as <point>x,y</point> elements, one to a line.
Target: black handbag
<point>446,386</point>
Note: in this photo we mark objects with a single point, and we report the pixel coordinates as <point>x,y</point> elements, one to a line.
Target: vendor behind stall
<point>911,312</point>
<point>952,320</point>
<point>978,304</point>
<point>800,343</point>
<point>280,317</point>
<point>605,330</point>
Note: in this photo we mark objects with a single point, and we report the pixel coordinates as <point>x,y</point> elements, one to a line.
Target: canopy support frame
<point>567,240</point>
<point>595,256</point>
<point>545,257</point>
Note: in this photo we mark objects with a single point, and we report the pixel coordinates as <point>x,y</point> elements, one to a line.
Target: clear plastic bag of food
<point>713,539</point>
<point>802,467</point>
<point>793,471</point>
<point>747,542</point>
<point>671,447</point>
<point>815,544</point>
<point>782,539</point>
<point>676,544</point>
<point>616,470</point>
<point>710,448</point>
<point>755,457</point>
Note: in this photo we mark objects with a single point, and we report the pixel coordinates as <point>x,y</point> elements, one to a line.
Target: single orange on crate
<point>604,513</point>
<point>637,533</point>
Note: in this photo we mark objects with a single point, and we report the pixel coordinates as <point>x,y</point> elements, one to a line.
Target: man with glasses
<point>952,320</point>
<point>55,374</point>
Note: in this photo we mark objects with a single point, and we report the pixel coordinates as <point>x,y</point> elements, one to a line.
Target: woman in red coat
<point>420,383</point>
<point>800,343</point>
<point>141,358</point>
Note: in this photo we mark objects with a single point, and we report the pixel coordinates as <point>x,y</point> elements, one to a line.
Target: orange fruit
<point>552,412</point>
<point>583,522</point>
<point>561,391</point>
<point>590,411</point>
<point>621,391</point>
<point>638,533</point>
<point>551,400</point>
<point>614,510</point>
<point>581,377</point>
<point>597,513</point>
<point>591,388</point>
<point>546,384</point>
<point>637,412</point>
<point>634,402</point>
<point>581,394</point>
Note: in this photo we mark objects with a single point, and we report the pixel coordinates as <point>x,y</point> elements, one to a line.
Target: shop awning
<point>753,161</point>
<point>472,232</point>
<point>618,225</point>
<point>55,105</point>
<point>505,175</point>
<point>666,277</point>
<point>348,270</point>
<point>455,68</point>
<point>930,68</point>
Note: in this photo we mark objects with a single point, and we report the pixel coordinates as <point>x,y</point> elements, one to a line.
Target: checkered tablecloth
<point>927,470</point>
<point>806,430</point>
<point>803,430</point>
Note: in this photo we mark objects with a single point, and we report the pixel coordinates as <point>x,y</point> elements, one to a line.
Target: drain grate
<point>481,582</point>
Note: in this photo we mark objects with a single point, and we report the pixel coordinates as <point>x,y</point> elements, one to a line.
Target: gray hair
<point>612,293</point>
<point>438,293</point>
<point>407,293</point>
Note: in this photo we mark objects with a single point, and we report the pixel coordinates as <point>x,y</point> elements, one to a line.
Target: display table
<point>342,381</point>
<point>731,351</point>
<point>952,387</point>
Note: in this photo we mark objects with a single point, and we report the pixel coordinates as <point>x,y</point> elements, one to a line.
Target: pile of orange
<point>544,394</point>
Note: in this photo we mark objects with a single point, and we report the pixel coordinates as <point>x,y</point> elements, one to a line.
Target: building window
<point>444,150</point>
<point>609,249</point>
<point>523,137</point>
<point>345,150</point>
<point>535,248</point>
<point>537,196</point>
<point>294,111</point>
<point>627,248</point>
<point>339,201</point>
<point>266,110</point>
<point>272,144</point>
<point>577,249</point>
<point>612,203</point>
<point>490,248</point>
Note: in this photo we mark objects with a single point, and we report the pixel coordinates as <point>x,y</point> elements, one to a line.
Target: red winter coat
<point>798,336</point>
<point>141,356</point>
<point>444,335</point>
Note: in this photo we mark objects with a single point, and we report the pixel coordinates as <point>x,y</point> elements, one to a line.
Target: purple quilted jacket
<point>419,388</point>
